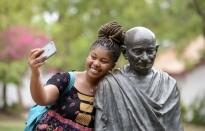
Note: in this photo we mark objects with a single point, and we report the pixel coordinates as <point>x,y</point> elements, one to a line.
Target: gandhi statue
<point>138,97</point>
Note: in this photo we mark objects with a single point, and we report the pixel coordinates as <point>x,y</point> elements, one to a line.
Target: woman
<point>74,110</point>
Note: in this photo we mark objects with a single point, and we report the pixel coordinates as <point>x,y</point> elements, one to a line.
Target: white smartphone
<point>49,49</point>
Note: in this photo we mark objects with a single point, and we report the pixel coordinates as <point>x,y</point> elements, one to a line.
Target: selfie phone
<point>49,49</point>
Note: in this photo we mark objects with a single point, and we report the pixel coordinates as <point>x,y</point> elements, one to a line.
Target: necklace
<point>92,90</point>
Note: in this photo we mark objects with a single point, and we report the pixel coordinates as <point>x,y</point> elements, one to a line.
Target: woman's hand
<point>35,59</point>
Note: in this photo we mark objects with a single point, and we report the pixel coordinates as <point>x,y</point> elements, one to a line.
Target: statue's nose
<point>144,56</point>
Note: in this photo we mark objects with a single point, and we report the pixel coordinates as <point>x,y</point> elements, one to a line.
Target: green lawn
<point>18,125</point>
<point>11,125</point>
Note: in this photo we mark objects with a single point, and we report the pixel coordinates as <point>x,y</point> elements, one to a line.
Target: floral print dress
<point>73,110</point>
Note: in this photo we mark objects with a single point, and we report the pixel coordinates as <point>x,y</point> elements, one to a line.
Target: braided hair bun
<point>112,31</point>
<point>111,37</point>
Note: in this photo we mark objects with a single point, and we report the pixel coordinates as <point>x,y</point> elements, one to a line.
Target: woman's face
<point>99,62</point>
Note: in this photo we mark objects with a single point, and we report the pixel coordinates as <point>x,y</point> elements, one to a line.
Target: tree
<point>199,8</point>
<point>15,44</point>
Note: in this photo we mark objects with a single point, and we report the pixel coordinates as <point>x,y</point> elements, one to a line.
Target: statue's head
<point>140,49</point>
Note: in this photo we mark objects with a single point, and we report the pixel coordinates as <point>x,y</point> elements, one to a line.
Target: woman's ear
<point>124,51</point>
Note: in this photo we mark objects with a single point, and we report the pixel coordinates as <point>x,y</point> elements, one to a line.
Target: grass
<point>18,125</point>
<point>11,125</point>
<point>9,122</point>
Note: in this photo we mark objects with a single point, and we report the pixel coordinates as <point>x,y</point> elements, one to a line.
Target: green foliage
<point>183,111</point>
<point>12,72</point>
<point>2,71</point>
<point>15,12</point>
<point>198,111</point>
<point>78,52</point>
<point>175,20</point>
<point>76,23</point>
<point>190,64</point>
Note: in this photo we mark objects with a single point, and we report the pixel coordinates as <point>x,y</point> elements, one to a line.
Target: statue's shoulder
<point>112,73</point>
<point>116,71</point>
<point>167,84</point>
<point>164,75</point>
<point>110,77</point>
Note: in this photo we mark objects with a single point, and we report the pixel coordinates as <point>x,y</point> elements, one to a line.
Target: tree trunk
<point>5,105</point>
<point>19,96</point>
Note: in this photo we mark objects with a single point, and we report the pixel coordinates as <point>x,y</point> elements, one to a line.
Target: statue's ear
<point>157,46</point>
<point>124,51</point>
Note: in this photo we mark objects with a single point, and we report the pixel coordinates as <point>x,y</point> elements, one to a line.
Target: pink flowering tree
<point>15,43</point>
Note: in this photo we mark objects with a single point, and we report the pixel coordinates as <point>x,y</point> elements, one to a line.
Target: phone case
<point>49,49</point>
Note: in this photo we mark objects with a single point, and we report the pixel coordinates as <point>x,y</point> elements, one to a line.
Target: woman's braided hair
<point>111,37</point>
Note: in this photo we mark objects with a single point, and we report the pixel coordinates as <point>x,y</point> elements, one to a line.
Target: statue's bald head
<point>140,49</point>
<point>139,35</point>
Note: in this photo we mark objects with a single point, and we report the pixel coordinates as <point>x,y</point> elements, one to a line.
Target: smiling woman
<point>73,109</point>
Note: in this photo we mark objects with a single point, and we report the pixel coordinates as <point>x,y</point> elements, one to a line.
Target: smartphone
<point>49,49</point>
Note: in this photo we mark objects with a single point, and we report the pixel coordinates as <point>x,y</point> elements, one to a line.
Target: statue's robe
<point>127,102</point>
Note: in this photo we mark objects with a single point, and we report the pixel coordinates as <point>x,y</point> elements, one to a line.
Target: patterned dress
<point>73,111</point>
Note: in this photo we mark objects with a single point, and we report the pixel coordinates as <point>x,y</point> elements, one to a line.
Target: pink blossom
<point>17,41</point>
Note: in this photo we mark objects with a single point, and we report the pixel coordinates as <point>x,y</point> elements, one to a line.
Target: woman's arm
<point>41,95</point>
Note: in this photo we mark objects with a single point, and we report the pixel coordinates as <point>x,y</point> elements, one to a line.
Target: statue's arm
<point>173,115</point>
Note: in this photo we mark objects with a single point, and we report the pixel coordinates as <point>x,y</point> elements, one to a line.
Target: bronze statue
<point>138,97</point>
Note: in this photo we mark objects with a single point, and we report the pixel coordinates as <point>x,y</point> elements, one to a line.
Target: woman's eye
<point>105,62</point>
<point>93,57</point>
